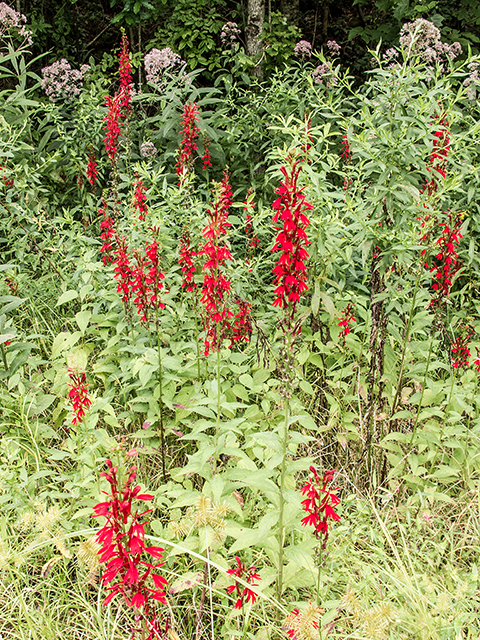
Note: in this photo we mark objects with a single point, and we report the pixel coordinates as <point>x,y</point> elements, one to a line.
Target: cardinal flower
<point>78,395</point>
<point>320,503</point>
<point>291,270</point>
<point>131,567</point>
<point>249,576</point>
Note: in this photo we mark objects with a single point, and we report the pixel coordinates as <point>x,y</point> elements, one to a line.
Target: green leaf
<point>66,297</point>
<point>12,303</point>
<point>83,318</point>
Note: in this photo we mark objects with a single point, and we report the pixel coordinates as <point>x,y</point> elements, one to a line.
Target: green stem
<point>198,343</point>
<point>217,426</point>
<point>4,356</point>
<point>423,390</point>
<point>407,336</point>
<point>282,503</point>
<point>160,399</point>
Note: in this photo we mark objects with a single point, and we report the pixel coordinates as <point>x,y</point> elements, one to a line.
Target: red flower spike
<point>124,270</point>
<point>206,158</point>
<point>445,260</point>
<point>215,285</point>
<point>320,508</point>
<point>242,323</point>
<point>155,276</point>
<point>78,395</point>
<point>438,157</point>
<point>188,145</point>
<point>291,270</point>
<point>249,576</point>
<point>186,261</point>
<point>123,550</point>
<point>460,347</point>
<point>349,317</point>
<point>140,199</point>
<point>113,122</point>
<point>125,72</point>
<point>92,171</point>
<point>476,363</point>
<point>107,233</point>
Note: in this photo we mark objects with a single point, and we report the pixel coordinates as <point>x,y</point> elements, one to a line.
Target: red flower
<point>124,271</point>
<point>349,313</point>
<point>125,72</point>
<point>477,361</point>
<point>320,507</point>
<point>8,182</point>
<point>346,153</point>
<point>249,576</point>
<point>242,324</point>
<point>112,126</point>
<point>304,623</point>
<point>78,395</point>
<point>186,261</point>
<point>438,157</point>
<point>206,154</point>
<point>128,571</point>
<point>460,347</point>
<point>140,199</point>
<point>291,270</point>
<point>445,261</point>
<point>215,285</point>
<point>92,172</point>
<point>188,145</point>
<point>154,273</point>
<point>108,232</point>
<point>146,281</point>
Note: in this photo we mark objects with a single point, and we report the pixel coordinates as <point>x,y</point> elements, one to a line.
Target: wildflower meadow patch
<point>239,335</point>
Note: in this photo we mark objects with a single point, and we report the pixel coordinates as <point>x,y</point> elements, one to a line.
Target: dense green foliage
<point>372,373</point>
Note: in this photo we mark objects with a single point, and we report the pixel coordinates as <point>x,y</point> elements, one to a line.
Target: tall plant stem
<point>198,343</point>
<point>160,399</point>
<point>405,342</point>
<point>4,357</point>
<point>217,426</point>
<point>427,366</point>
<point>281,503</point>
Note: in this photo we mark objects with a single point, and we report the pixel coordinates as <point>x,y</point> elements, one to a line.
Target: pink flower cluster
<point>424,38</point>
<point>60,81</point>
<point>324,74</point>
<point>148,150</point>
<point>159,61</point>
<point>11,20</point>
<point>229,33</point>
<point>303,49</point>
